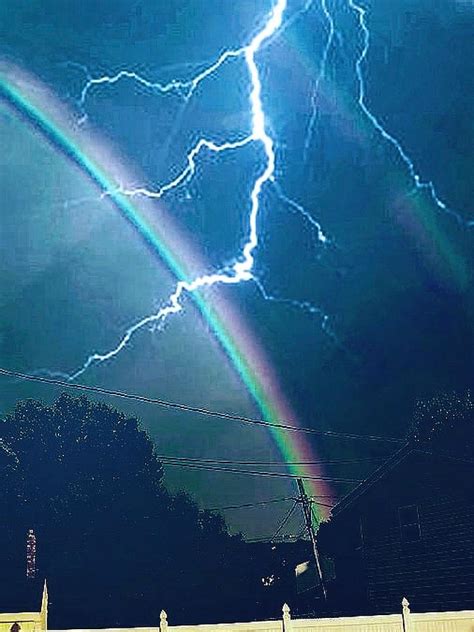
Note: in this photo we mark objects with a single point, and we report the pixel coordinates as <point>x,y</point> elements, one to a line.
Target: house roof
<point>394,461</point>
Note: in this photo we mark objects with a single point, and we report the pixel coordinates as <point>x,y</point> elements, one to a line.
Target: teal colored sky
<point>396,285</point>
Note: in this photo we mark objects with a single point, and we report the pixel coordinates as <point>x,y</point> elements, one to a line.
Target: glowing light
<point>184,88</point>
<point>188,172</point>
<point>242,269</point>
<point>244,350</point>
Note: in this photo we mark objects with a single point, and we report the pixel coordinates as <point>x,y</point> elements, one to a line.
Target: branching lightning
<point>321,74</point>
<point>183,88</point>
<point>188,172</point>
<point>361,13</point>
<point>298,208</point>
<point>304,306</point>
<point>242,269</point>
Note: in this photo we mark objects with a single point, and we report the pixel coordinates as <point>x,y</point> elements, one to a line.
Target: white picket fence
<point>406,621</point>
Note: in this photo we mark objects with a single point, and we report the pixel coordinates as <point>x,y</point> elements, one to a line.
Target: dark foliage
<point>113,544</point>
<point>445,423</point>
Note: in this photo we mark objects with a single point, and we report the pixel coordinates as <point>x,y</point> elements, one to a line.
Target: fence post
<point>286,618</point>
<point>406,615</point>
<point>163,621</point>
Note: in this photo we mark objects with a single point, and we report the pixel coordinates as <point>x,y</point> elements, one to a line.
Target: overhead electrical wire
<point>194,409</point>
<point>210,468</point>
<point>256,504</point>
<point>276,535</point>
<point>263,502</point>
<point>283,539</point>
<point>268,463</point>
<point>286,517</point>
<point>302,532</point>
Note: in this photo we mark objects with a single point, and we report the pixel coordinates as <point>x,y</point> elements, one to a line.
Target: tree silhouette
<point>445,423</point>
<point>114,545</point>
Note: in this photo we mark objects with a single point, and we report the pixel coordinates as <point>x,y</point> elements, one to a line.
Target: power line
<point>282,523</point>
<point>301,533</point>
<point>210,468</point>
<point>320,504</point>
<point>286,517</point>
<point>283,539</point>
<point>257,504</point>
<point>269,463</point>
<point>264,502</point>
<point>194,409</point>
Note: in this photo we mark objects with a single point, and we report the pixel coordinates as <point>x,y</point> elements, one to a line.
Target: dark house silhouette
<point>406,531</point>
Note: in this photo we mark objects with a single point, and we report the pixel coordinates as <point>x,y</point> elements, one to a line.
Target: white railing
<point>443,621</point>
<point>406,621</point>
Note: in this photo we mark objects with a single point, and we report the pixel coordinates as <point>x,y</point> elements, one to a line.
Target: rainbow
<point>423,224</point>
<point>39,109</point>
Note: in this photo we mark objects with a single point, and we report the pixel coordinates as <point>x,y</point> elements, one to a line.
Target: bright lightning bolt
<point>181,87</point>
<point>419,184</point>
<point>242,269</point>
<point>188,172</point>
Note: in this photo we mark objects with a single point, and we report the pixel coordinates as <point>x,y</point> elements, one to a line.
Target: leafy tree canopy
<point>445,423</point>
<point>115,546</point>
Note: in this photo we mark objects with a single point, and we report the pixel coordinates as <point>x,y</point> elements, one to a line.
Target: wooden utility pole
<point>303,499</point>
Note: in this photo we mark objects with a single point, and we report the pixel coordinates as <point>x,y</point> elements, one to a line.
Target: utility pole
<point>303,499</point>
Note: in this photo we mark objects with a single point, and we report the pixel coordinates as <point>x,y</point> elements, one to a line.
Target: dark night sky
<point>395,282</point>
